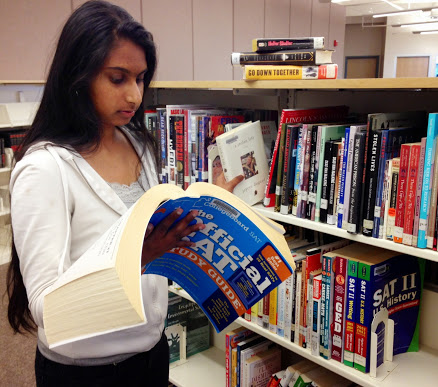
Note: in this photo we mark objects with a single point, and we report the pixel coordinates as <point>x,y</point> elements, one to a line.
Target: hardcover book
<point>271,72</point>
<point>242,153</point>
<point>260,367</point>
<point>297,57</point>
<point>279,44</point>
<point>77,305</point>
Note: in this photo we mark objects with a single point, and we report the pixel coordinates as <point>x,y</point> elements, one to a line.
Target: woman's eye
<point>140,80</point>
<point>117,80</point>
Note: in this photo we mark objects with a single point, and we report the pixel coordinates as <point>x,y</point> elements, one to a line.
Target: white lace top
<point>129,194</point>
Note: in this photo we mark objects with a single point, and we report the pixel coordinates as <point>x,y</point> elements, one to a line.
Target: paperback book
<point>239,257</point>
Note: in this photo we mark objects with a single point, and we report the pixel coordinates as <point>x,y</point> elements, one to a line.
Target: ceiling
<point>369,8</point>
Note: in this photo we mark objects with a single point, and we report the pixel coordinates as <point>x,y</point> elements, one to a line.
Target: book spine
<point>268,45</point>
<point>340,209</point>
<point>172,150</point>
<point>350,313</point>
<point>418,193</point>
<point>297,307</point>
<point>323,298</point>
<point>273,295</point>
<point>372,168</point>
<point>339,301</point>
<point>332,183</point>
<point>356,183</point>
<point>280,166</point>
<point>327,162</point>
<point>289,72</point>
<point>426,186</point>
<point>328,321</point>
<point>347,189</point>
<point>291,173</point>
<point>363,319</point>
<point>433,203</point>
<point>411,190</point>
<point>316,321</point>
<point>387,176</point>
<point>304,186</point>
<point>297,57</point>
<point>193,150</point>
<point>187,130</point>
<point>269,199</point>
<point>312,174</point>
<point>266,311</point>
<point>288,307</point>
<point>318,173</point>
<point>284,194</point>
<point>163,141</point>
<point>303,299</point>
<point>179,152</point>
<point>260,312</point>
<point>254,313</point>
<point>380,181</point>
<point>401,193</point>
<point>298,167</point>
<point>281,305</point>
<point>395,169</point>
<point>293,301</point>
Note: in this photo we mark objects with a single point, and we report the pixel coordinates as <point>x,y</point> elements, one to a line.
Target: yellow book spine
<point>290,72</point>
<point>273,311</point>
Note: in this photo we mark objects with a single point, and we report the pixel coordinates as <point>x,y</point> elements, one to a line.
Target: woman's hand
<point>164,237</point>
<point>228,185</point>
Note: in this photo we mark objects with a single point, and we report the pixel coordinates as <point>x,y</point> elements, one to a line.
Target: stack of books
<point>286,58</point>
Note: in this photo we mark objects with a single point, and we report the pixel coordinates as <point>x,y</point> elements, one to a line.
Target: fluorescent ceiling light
<point>418,24</point>
<point>425,32</point>
<point>393,5</point>
<point>407,12</point>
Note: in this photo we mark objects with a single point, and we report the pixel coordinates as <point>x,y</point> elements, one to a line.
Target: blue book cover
<point>297,169</point>
<point>432,133</point>
<point>236,260</point>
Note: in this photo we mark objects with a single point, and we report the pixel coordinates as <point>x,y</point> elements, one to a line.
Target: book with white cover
<point>242,152</point>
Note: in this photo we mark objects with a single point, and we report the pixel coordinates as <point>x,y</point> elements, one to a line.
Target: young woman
<point>84,161</point>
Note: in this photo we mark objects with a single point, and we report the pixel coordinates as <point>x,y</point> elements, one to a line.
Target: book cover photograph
<point>239,257</point>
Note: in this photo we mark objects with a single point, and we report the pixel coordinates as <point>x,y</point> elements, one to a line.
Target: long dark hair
<point>66,115</point>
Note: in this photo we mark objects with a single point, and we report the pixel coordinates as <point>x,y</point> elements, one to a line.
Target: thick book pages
<point>239,257</point>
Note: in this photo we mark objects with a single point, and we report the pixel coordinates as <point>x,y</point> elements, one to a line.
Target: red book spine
<point>187,152</point>
<point>179,129</point>
<point>411,190</point>
<point>339,308</point>
<point>401,192</point>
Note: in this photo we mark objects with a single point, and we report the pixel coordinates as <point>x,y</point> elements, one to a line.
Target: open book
<point>239,257</point>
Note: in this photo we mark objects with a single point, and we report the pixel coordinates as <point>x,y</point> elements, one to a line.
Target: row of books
<point>378,178</point>
<point>286,58</point>
<point>186,136</point>
<point>253,360</point>
<point>329,303</point>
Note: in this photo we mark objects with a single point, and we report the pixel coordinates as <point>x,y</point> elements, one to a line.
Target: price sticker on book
<point>351,227</point>
<point>422,225</point>
<point>377,210</point>
<point>312,197</point>
<point>304,196</point>
<point>398,232</point>
<point>324,204</point>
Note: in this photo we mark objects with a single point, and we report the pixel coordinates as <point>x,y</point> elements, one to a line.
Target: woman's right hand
<point>164,236</point>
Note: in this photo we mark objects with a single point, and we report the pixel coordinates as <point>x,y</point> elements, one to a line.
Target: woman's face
<point>117,90</point>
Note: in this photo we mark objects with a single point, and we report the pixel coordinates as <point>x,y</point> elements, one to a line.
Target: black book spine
<point>356,182</point>
<point>326,168</point>
<point>292,166</point>
<point>369,197</point>
<point>313,173</point>
<point>332,173</point>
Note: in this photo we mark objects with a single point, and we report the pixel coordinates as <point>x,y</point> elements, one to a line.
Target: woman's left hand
<point>167,234</point>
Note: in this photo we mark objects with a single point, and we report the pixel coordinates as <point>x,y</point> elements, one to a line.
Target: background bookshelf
<point>362,96</point>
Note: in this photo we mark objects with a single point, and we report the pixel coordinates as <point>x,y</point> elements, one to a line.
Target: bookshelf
<point>362,96</point>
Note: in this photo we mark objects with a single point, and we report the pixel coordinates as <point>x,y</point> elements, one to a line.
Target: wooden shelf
<point>357,84</point>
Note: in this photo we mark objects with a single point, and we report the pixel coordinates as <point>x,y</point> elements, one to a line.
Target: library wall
<point>195,38</point>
